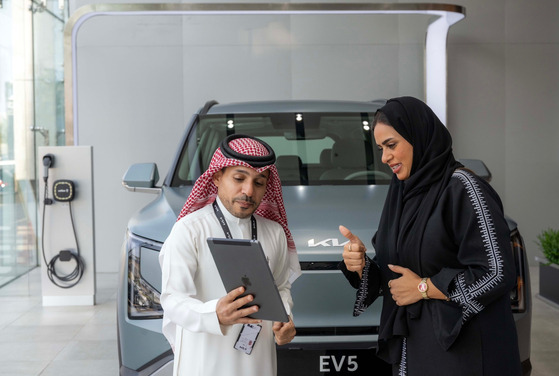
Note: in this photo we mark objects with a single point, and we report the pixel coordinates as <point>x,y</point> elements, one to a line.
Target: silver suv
<point>331,174</point>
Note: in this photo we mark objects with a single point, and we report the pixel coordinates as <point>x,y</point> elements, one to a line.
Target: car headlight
<point>518,294</point>
<point>144,279</point>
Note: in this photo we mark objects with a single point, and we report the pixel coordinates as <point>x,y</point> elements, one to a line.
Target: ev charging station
<point>66,226</point>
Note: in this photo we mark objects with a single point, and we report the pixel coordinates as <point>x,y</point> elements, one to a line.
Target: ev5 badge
<point>63,190</point>
<point>333,363</point>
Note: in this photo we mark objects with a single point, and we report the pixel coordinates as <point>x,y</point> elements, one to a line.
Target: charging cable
<point>65,193</point>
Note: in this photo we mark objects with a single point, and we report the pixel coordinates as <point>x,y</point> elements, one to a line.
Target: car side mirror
<point>141,177</point>
<point>478,167</point>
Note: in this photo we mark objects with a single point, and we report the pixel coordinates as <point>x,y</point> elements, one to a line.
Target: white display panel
<point>72,163</point>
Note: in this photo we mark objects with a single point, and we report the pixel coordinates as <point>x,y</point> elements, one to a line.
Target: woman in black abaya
<point>443,263</point>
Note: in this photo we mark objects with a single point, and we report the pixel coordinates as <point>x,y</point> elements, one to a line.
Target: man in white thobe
<point>201,320</point>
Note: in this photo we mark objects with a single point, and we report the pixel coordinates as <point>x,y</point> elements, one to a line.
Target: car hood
<point>314,214</point>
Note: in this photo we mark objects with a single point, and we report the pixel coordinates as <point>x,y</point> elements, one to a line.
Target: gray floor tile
<point>545,363</point>
<point>25,368</point>
<point>7,318</point>
<point>545,333</point>
<point>96,332</point>
<point>38,333</point>
<point>17,304</point>
<point>22,351</point>
<point>82,368</point>
<point>104,314</point>
<point>89,350</point>
<point>56,316</point>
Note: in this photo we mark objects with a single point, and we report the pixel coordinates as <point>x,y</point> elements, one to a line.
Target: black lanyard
<point>225,227</point>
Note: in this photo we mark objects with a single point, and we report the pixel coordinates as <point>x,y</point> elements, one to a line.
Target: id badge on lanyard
<point>247,338</point>
<point>249,332</point>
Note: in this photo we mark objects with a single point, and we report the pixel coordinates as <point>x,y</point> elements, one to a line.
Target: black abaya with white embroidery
<point>445,223</point>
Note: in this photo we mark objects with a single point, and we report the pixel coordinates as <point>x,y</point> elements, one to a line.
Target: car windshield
<point>311,148</point>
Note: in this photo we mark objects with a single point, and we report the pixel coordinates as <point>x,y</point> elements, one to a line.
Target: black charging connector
<point>65,255</point>
<point>48,162</point>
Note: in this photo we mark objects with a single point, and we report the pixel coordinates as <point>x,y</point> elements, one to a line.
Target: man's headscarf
<point>247,151</point>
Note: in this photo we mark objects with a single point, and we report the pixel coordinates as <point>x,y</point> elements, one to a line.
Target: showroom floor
<point>64,341</point>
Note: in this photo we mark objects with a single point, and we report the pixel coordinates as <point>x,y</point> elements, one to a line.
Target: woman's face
<point>397,152</point>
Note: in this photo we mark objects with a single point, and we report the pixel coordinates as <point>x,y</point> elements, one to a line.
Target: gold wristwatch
<point>423,287</point>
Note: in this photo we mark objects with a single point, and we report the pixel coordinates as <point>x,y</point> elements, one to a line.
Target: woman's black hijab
<point>408,205</point>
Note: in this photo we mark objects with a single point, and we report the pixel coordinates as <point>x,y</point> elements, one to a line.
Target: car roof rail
<point>207,106</point>
<point>379,101</point>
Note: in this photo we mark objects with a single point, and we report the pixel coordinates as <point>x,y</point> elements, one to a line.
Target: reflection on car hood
<point>314,214</point>
<point>156,219</point>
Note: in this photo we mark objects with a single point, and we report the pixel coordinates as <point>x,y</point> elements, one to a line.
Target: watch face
<point>422,287</point>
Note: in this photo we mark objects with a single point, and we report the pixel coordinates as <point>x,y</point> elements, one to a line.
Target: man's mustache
<point>245,198</point>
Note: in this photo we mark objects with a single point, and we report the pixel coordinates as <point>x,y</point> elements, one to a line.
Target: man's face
<point>241,189</point>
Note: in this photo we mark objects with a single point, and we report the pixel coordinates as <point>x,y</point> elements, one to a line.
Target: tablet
<point>241,262</point>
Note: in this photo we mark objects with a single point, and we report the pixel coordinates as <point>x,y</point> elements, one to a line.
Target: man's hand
<point>284,331</point>
<point>354,252</point>
<point>229,310</point>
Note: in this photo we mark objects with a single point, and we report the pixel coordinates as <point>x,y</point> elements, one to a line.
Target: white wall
<point>141,78</point>
<point>503,102</point>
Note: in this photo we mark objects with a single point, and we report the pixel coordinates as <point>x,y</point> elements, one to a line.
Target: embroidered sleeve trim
<point>467,295</point>
<point>403,369</point>
<point>363,291</point>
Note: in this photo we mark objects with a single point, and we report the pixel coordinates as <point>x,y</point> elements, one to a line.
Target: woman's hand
<point>354,252</point>
<point>404,289</point>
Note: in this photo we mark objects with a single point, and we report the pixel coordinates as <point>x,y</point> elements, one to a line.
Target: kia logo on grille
<point>332,242</point>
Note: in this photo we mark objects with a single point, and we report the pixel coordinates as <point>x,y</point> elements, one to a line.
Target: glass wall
<point>48,51</point>
<point>31,115</point>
